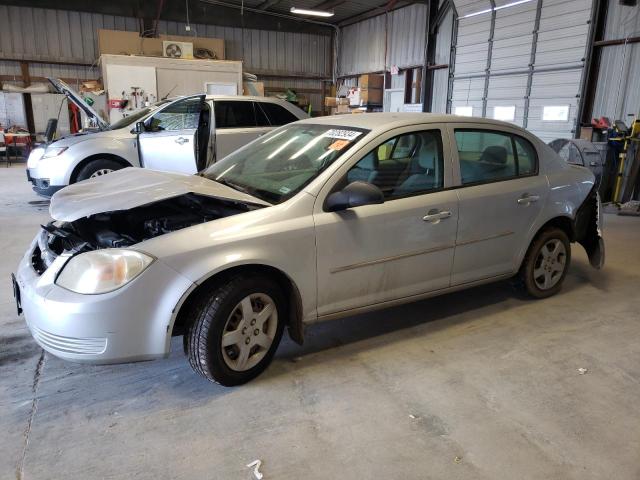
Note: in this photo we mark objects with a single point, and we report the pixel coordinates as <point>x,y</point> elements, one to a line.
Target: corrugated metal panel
<point>618,92</point>
<point>67,36</point>
<point>472,45</point>
<point>558,66</point>
<point>362,44</point>
<point>442,57</point>
<point>512,37</point>
<point>362,47</point>
<point>554,88</point>
<point>407,36</point>
<point>507,90</point>
<point>468,91</point>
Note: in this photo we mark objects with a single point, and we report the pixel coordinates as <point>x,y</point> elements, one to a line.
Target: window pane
<point>234,114</point>
<point>180,115</point>
<point>405,165</point>
<point>278,114</point>
<point>261,117</point>
<point>484,156</point>
<point>527,158</point>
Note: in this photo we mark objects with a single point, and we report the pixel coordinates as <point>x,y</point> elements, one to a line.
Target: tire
<point>546,264</point>
<point>222,312</point>
<point>97,168</point>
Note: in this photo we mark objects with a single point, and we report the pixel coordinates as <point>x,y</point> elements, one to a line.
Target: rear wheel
<point>236,330</point>
<point>97,168</point>
<point>546,263</point>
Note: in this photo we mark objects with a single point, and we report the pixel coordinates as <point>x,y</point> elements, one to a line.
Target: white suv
<point>183,135</point>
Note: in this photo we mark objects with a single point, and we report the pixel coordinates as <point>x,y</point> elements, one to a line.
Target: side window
<point>261,118</point>
<point>405,165</point>
<point>574,155</point>
<point>278,115</point>
<point>180,115</point>
<point>485,156</point>
<point>563,153</point>
<point>234,114</point>
<point>527,158</point>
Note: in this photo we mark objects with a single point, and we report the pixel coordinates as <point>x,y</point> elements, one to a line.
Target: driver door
<point>170,140</point>
<point>400,248</point>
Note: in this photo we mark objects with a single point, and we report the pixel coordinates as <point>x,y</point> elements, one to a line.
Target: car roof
<point>388,120</point>
<point>246,98</point>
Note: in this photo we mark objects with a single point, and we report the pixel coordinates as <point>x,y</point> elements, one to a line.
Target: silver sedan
<point>316,220</point>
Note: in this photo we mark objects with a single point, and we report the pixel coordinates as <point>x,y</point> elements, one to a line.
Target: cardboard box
<point>371,80</point>
<point>335,101</point>
<point>118,42</point>
<point>340,110</point>
<point>365,96</point>
<point>330,102</point>
<point>255,89</point>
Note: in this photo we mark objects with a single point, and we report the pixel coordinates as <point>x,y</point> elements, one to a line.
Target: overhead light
<point>506,5</point>
<point>313,13</point>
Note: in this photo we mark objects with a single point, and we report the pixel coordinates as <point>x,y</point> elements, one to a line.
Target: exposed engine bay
<point>124,228</point>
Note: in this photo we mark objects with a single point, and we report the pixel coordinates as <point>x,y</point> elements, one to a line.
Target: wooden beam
<point>26,78</point>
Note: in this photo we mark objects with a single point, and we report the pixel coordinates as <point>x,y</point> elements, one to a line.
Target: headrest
<point>494,154</point>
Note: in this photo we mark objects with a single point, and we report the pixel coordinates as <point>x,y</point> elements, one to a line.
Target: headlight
<point>102,271</point>
<point>53,151</point>
<point>34,157</point>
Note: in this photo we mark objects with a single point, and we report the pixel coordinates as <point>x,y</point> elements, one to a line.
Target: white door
<point>500,198</point>
<point>403,247</point>
<point>170,140</point>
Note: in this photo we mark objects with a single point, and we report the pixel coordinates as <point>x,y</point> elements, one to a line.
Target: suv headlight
<point>102,271</point>
<point>34,157</point>
<point>53,151</point>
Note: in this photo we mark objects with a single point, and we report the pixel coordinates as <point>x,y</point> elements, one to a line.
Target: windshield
<point>275,167</point>
<point>135,116</point>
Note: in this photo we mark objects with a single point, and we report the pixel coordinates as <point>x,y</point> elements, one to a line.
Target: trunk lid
<point>135,187</point>
<point>76,98</point>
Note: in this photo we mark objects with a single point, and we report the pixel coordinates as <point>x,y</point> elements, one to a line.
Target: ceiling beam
<point>267,4</point>
<point>328,4</point>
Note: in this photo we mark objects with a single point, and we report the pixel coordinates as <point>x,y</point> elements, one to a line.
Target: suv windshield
<point>135,116</point>
<point>275,167</point>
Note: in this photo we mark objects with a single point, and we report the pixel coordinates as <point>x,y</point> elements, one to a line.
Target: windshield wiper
<point>235,186</point>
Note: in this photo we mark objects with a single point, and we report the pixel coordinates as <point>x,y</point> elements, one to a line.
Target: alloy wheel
<point>550,264</point>
<point>100,172</point>
<point>249,332</point>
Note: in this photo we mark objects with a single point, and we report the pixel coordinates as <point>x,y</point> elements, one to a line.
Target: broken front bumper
<point>129,324</point>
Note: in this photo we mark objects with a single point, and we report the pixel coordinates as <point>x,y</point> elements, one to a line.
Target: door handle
<point>526,199</point>
<point>182,140</point>
<point>435,216</point>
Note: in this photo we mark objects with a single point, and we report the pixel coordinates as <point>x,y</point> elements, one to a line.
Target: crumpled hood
<point>134,187</point>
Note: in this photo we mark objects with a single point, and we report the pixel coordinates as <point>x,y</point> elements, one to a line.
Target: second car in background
<point>181,135</point>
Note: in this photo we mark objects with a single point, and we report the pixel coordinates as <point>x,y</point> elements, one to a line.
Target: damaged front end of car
<point>125,228</point>
<point>587,228</point>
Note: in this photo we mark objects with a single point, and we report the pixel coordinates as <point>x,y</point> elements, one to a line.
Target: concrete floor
<point>473,385</point>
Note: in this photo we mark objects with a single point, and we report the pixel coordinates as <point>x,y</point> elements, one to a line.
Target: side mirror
<point>139,128</point>
<point>355,194</point>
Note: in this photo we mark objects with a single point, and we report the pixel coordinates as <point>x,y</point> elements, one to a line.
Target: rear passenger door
<point>500,196</point>
<point>237,124</point>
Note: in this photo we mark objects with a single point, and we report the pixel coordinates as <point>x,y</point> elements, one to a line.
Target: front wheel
<point>236,330</point>
<point>546,263</point>
<point>97,168</point>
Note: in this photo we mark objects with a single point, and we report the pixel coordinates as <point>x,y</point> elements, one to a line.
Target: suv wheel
<point>97,168</point>
<point>546,263</point>
<point>235,332</point>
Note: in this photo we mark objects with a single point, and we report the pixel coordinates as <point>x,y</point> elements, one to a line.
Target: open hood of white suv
<point>134,187</point>
<point>77,99</point>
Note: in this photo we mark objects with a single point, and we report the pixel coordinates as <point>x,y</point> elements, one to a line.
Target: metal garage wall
<point>442,57</point>
<point>528,55</point>
<point>618,88</point>
<point>362,45</point>
<point>66,36</point>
